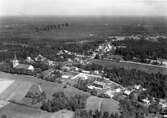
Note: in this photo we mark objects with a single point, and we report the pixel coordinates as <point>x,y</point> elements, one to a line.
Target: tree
<point>61,101</point>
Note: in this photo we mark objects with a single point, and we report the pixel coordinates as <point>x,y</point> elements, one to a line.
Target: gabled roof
<point>22,66</point>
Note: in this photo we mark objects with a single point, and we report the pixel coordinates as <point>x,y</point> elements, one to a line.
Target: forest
<point>142,49</point>
<point>156,84</point>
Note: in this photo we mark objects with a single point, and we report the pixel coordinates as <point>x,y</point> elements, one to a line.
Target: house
<point>65,76</point>
<point>96,72</point>
<point>50,63</point>
<point>164,62</point>
<point>111,93</point>
<point>128,90</point>
<point>87,72</point>
<point>146,101</point>
<point>163,103</point>
<point>40,58</point>
<point>29,60</point>
<point>60,52</point>
<point>98,85</point>
<point>137,87</point>
<point>69,60</point>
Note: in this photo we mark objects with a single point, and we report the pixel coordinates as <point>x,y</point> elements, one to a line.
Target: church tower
<point>15,61</point>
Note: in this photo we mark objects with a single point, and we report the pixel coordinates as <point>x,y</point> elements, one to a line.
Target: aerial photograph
<point>83,58</point>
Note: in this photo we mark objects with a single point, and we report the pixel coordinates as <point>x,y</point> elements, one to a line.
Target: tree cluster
<point>132,109</point>
<point>51,27</point>
<point>142,49</point>
<point>61,101</point>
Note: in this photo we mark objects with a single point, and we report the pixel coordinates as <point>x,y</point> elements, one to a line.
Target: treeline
<point>60,101</point>
<point>142,49</point>
<point>144,29</point>
<point>82,48</point>
<point>156,84</point>
<point>51,27</point>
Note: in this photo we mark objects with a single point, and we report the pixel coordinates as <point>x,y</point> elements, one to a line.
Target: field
<point>105,105</point>
<point>49,87</point>
<point>21,108</point>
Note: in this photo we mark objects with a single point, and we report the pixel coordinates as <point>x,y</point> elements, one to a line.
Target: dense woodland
<point>142,49</point>
<point>47,47</point>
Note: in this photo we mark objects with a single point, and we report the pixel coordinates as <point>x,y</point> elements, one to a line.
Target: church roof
<point>22,66</point>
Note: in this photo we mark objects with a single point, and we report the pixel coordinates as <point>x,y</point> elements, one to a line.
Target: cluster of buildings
<point>28,63</point>
<point>106,51</point>
<point>100,84</point>
<point>158,61</point>
<point>18,65</point>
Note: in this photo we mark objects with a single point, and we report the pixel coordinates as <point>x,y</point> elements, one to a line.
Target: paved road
<point>144,64</point>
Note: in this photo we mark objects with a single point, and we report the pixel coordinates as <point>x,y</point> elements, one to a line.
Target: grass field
<point>49,87</point>
<point>102,104</point>
<point>22,111</point>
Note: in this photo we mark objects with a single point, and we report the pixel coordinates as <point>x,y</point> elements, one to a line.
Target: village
<point>71,73</point>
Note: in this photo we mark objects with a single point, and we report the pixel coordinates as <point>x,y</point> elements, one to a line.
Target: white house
<point>164,62</point>
<point>65,76</point>
<point>29,60</point>
<point>146,100</point>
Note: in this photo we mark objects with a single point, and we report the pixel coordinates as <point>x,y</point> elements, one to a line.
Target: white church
<point>17,65</point>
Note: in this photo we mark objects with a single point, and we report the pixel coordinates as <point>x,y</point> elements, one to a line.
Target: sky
<point>84,7</point>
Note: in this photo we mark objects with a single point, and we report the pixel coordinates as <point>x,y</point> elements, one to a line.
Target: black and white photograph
<point>83,58</point>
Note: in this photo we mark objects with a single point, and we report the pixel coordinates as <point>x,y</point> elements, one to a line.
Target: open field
<point>102,104</point>
<point>48,87</point>
<point>22,109</point>
<point>129,66</point>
